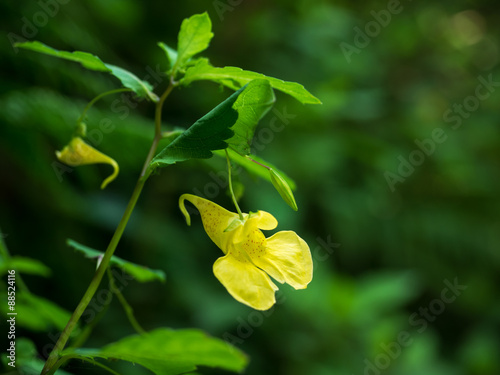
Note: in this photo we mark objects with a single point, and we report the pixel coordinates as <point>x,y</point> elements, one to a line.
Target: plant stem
<point>66,358</point>
<point>94,284</point>
<point>158,134</point>
<point>87,330</point>
<point>128,309</point>
<point>259,163</point>
<point>92,102</point>
<point>96,280</point>
<point>231,186</point>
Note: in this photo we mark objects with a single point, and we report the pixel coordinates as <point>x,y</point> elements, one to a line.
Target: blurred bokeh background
<point>397,175</point>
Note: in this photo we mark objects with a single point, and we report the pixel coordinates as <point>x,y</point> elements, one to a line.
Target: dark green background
<point>390,250</point>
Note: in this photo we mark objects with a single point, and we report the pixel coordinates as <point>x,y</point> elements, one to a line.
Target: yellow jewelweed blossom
<point>250,258</point>
<point>77,153</point>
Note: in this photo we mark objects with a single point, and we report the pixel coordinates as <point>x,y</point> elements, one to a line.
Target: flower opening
<point>250,258</point>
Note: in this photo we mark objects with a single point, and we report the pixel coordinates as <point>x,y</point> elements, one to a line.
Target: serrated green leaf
<point>235,78</point>
<point>140,273</point>
<point>170,52</point>
<point>170,352</point>
<point>25,265</point>
<point>92,62</point>
<point>252,104</point>
<point>206,135</point>
<point>232,123</point>
<point>194,37</point>
<point>254,168</point>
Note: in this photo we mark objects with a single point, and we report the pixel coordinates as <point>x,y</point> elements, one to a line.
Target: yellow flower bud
<point>77,153</point>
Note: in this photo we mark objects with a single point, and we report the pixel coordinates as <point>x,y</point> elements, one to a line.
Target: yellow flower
<point>250,258</point>
<point>77,153</point>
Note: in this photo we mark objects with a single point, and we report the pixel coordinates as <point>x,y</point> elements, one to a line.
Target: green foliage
<point>171,55</point>
<point>24,265</point>
<point>204,136</point>
<point>252,105</point>
<point>256,169</point>
<point>87,60</point>
<point>231,124</point>
<point>235,78</point>
<point>92,62</point>
<point>138,272</point>
<point>37,313</point>
<point>32,312</point>
<point>27,360</point>
<point>129,80</point>
<point>441,222</point>
<point>194,37</point>
<point>170,352</point>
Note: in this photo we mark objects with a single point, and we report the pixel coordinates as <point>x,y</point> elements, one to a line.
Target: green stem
<point>249,158</point>
<point>158,134</point>
<point>66,358</point>
<point>87,330</point>
<point>231,186</point>
<point>98,364</point>
<point>259,163</point>
<point>94,284</point>
<point>128,309</point>
<point>92,102</point>
<point>96,280</point>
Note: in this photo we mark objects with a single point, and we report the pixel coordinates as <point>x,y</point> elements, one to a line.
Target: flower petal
<point>215,219</point>
<point>245,282</point>
<point>77,153</point>
<point>263,220</point>
<point>286,258</point>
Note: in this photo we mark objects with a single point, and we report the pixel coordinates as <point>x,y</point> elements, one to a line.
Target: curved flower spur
<point>77,153</point>
<point>250,258</point>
